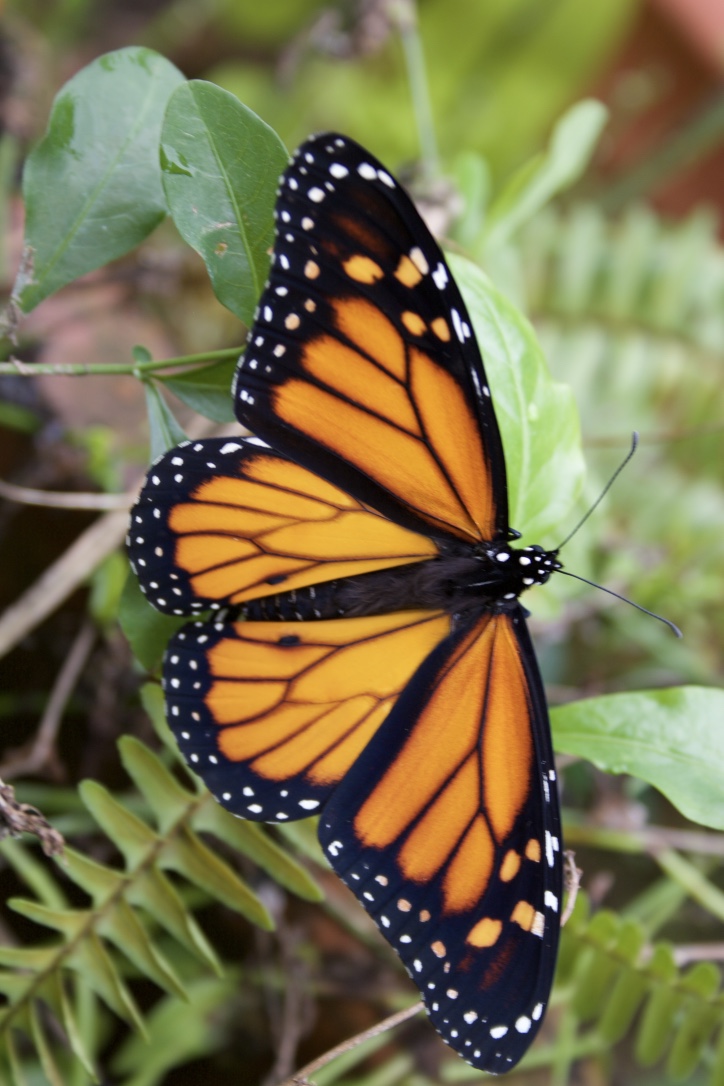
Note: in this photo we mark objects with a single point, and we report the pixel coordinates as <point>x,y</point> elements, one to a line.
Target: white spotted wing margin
<point>467,895</point>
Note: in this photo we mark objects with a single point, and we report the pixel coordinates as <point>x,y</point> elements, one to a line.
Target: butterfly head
<point>505,572</point>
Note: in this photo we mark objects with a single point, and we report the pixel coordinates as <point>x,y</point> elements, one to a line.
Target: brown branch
<point>23,761</point>
<point>55,499</point>
<point>17,818</point>
<point>301,1077</point>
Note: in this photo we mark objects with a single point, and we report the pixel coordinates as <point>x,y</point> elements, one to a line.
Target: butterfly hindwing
<point>362,365</point>
<point>223,521</point>
<point>272,714</point>
<point>447,830</point>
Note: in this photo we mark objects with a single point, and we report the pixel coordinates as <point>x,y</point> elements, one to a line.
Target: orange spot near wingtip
<point>533,850</point>
<point>406,272</point>
<point>362,269</point>
<point>414,323</point>
<point>441,328</point>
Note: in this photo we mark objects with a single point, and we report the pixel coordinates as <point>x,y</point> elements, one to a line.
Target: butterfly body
<point>359,650</point>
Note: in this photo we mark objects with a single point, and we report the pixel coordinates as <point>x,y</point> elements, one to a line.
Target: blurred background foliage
<point>623,276</point>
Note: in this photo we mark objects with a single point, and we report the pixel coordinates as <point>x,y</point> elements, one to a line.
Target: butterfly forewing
<point>223,521</point>
<point>389,401</point>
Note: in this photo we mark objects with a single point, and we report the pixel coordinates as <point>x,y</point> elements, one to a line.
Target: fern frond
<point>118,932</point>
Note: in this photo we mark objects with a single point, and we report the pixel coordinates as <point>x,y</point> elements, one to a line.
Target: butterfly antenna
<point>634,445</point>
<point>672,625</point>
<point>602,495</point>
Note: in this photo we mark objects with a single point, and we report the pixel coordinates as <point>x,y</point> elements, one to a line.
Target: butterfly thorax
<point>463,579</point>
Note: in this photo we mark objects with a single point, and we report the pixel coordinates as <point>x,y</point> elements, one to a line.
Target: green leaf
<point>92,186</point>
<point>179,1033</point>
<point>146,629</point>
<point>122,927</point>
<point>152,891</point>
<point>206,390</point>
<point>71,1026</point>
<point>669,738</point>
<point>253,841</point>
<point>50,1067</point>
<point>537,416</point>
<point>221,167</point>
<point>169,801</point>
<point>573,141</point>
<point>165,431</point>
<point>153,702</point>
<point>130,835</point>
<point>90,959</point>
<point>187,855</point>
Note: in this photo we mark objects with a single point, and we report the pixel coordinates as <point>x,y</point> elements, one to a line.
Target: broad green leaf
<point>221,165</point>
<point>146,629</point>
<point>671,738</point>
<point>165,431</point>
<point>569,152</point>
<point>207,390</point>
<point>92,186</point>
<point>537,416</point>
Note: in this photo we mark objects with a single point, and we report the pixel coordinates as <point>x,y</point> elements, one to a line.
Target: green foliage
<point>101,154</point>
<point>629,312</point>
<point>132,912</point>
<point>221,164</point>
<point>664,737</point>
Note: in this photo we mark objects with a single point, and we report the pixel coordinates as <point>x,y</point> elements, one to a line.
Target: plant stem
<point>23,369</point>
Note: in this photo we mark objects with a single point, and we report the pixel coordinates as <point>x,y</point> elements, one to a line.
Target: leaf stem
<point>404,14</point>
<point>23,369</point>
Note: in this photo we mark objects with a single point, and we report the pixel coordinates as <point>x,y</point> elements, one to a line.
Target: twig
<point>572,884</point>
<point>66,574</point>
<point>63,500</point>
<point>17,818</point>
<point>301,1077</point>
<point>21,762</point>
<point>73,567</point>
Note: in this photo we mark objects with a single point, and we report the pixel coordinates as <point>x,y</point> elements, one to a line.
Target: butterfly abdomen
<point>464,583</point>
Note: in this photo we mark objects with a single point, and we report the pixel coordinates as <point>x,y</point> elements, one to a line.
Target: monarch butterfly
<point>366,657</point>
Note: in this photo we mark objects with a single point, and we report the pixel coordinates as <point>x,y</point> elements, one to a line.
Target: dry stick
<point>301,1077</point>
<point>62,578</point>
<point>22,762</point>
<point>57,499</point>
<point>74,566</point>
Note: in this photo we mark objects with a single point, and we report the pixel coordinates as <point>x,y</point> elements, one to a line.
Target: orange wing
<point>446,828</point>
<point>362,365</point>
<point>220,521</point>
<point>273,714</point>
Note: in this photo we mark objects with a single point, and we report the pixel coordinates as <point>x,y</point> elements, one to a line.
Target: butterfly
<point>359,651</point>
